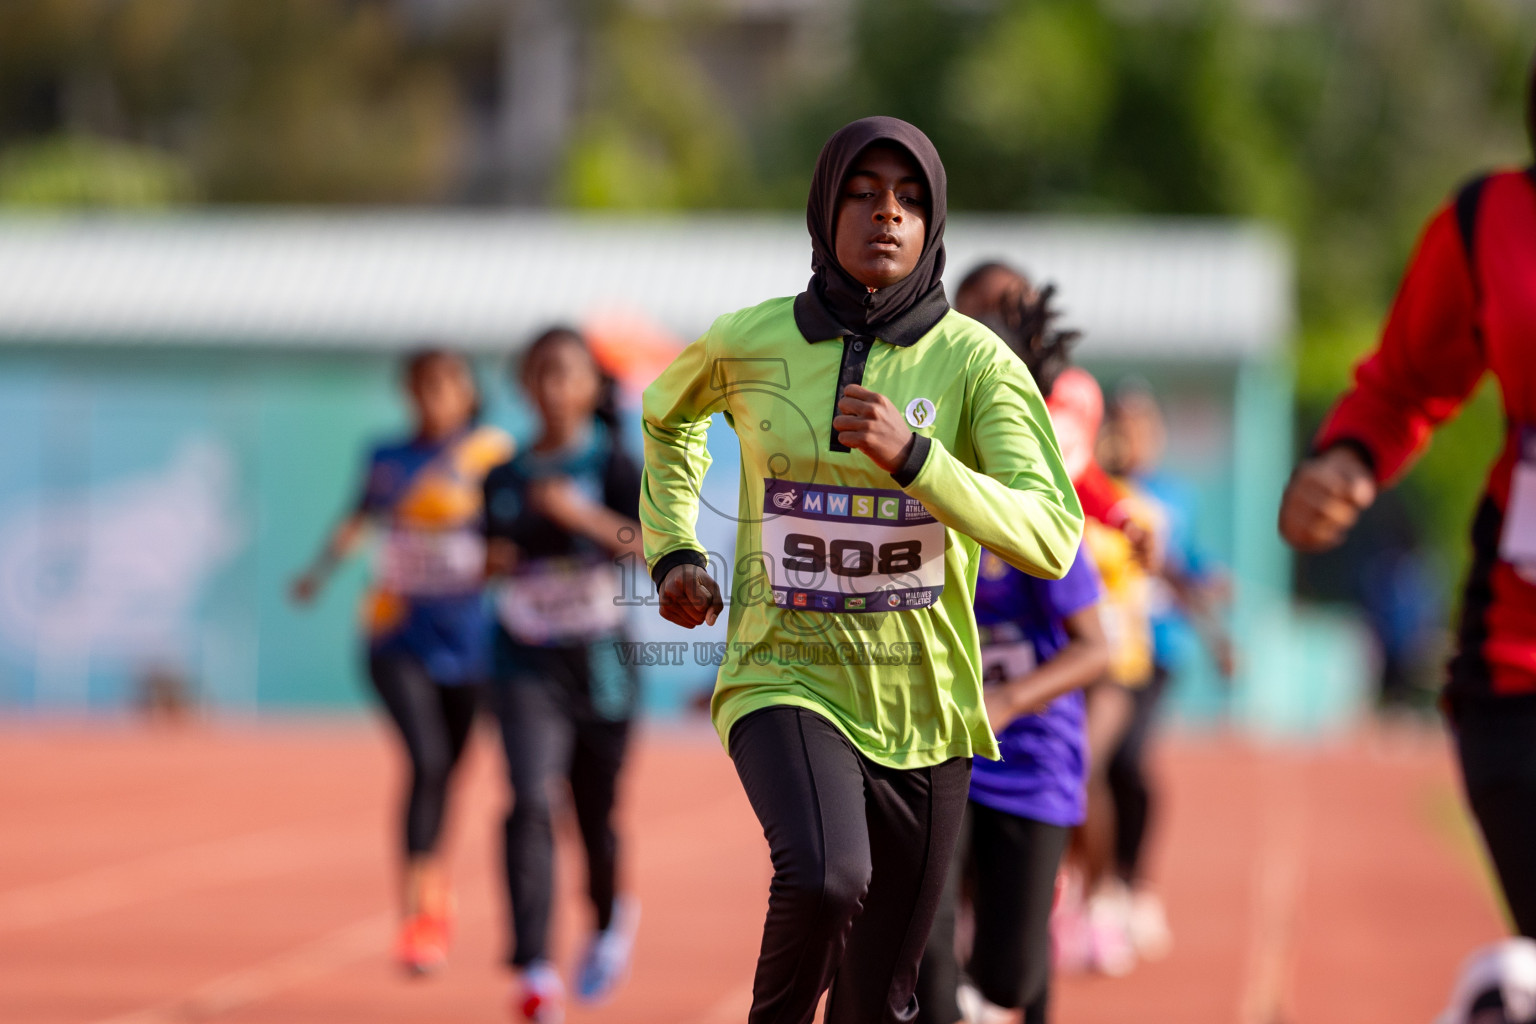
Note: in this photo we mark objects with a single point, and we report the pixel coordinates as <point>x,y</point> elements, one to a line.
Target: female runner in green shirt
<point>885,439</point>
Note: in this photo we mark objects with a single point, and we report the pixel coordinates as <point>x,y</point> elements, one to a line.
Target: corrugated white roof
<point>1157,288</point>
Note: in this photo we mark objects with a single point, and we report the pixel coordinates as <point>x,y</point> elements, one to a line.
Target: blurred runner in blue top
<point>427,624</point>
<point>1188,593</point>
<point>1041,642</point>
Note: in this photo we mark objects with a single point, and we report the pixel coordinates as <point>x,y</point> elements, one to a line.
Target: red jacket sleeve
<point>1098,495</point>
<point>1428,362</point>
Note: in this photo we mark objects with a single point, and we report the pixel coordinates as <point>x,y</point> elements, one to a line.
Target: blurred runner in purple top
<point>1023,624</point>
<point>1042,642</point>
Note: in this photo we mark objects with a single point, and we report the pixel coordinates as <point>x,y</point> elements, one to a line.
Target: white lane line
<point>1279,878</point>
<point>357,941</point>
<point>172,872</point>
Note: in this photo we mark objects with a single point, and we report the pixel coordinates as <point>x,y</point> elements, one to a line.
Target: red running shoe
<point>423,943</point>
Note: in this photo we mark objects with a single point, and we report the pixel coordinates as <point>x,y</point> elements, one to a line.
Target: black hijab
<point>834,304</point>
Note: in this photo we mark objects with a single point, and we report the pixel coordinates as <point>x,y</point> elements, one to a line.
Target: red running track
<point>241,873</point>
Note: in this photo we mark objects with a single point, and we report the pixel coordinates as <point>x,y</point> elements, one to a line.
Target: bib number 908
<point>806,553</point>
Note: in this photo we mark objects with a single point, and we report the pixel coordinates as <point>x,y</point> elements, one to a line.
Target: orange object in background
<point>630,347</point>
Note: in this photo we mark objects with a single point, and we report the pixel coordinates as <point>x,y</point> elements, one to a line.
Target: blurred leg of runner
<point>553,740</point>
<point>434,721</point>
<point>595,766</point>
<point>1101,935</point>
<point>1134,803</point>
<point>938,979</point>
<point>539,735</point>
<point>1016,860</point>
<point>1495,740</point>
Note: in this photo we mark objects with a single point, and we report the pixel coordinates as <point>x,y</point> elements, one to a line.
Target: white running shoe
<point>538,994</point>
<point>1111,951</point>
<point>1071,950</point>
<point>606,964</point>
<point>976,1009</point>
<point>1497,984</point>
<point>1147,924</point>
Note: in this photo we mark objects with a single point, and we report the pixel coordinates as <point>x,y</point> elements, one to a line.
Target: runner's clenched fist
<point>690,596</point>
<point>1325,496</point>
<point>867,421</point>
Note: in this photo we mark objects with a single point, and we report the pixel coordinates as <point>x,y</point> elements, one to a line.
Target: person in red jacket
<point>1466,307</point>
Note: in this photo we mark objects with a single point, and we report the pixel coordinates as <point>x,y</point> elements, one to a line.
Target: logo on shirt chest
<point>921,412</point>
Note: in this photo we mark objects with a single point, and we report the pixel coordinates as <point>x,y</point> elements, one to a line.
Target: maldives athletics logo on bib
<point>920,412</point>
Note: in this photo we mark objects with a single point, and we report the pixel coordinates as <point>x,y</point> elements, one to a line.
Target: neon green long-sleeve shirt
<point>852,590</point>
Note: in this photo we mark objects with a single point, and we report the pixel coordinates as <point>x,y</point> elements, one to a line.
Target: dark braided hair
<point>607,409</point>
<point>1026,324</point>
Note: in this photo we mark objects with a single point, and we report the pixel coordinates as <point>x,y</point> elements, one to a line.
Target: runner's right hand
<point>1324,498</point>
<point>690,596</point>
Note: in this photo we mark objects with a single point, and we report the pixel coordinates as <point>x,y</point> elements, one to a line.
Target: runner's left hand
<point>1002,708</point>
<point>999,708</point>
<point>867,421</point>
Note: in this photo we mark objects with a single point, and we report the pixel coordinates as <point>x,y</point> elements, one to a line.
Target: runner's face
<point>984,299</point>
<point>882,217</point>
<point>443,397</point>
<point>1139,424</point>
<point>563,382</point>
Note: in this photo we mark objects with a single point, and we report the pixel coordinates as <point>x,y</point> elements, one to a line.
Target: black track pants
<point>559,749</point>
<point>860,853</point>
<point>1011,863</point>
<point>434,721</point>
<point>1127,778</point>
<point>1496,738</point>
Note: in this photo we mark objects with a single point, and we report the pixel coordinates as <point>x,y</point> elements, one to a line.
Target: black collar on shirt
<point>816,322</point>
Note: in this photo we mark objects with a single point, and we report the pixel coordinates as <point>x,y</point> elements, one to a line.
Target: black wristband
<point>672,559</point>
<point>917,455</point>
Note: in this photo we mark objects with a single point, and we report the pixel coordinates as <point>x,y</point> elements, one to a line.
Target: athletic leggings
<point>554,740</point>
<point>1496,738</point>
<point>860,853</point>
<point>1011,863</point>
<point>1127,778</point>
<point>434,720</point>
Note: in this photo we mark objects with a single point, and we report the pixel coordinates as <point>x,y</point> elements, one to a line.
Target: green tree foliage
<point>86,171</point>
<point>228,100</point>
<point>1343,124</point>
<point>653,134</point>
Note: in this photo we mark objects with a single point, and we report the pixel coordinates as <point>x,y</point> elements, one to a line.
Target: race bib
<point>561,601</point>
<point>850,549</point>
<point>431,563</point>
<point>1003,662</point>
<point>1517,541</point>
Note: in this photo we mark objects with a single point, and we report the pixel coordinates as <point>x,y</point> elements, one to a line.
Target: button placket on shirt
<point>856,348</point>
